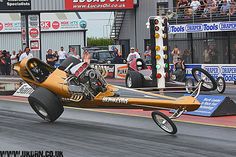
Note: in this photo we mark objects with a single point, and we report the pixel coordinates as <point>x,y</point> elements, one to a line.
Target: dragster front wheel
<point>200,74</point>
<point>164,122</point>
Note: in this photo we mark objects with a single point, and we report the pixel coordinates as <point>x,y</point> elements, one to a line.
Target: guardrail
<point>200,15</point>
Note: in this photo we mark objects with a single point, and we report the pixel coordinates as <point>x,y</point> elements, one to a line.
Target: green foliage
<point>99,41</point>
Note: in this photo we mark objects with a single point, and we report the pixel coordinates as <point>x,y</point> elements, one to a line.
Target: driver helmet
<point>32,65</point>
<point>139,65</point>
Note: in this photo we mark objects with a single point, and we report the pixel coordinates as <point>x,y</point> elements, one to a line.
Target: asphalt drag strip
<point>82,133</point>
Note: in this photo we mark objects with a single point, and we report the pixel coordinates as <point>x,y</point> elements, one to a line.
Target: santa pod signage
<point>55,25</point>
<point>98,4</point>
<point>34,32</point>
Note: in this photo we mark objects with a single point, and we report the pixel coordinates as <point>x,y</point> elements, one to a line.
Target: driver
<point>133,54</point>
<point>36,71</point>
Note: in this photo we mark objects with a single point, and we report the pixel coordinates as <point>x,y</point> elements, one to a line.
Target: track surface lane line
<point>127,114</point>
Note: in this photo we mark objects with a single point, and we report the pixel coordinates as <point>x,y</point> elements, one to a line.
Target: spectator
<point>57,56</point>
<point>19,54</point>
<point>188,12</point>
<point>147,55</point>
<point>13,57</point>
<point>212,6</point>
<point>171,15</point>
<point>137,50</point>
<point>132,55</point>
<point>187,56</point>
<point>118,57</point>
<point>179,70</point>
<point>208,54</point>
<point>51,58</point>
<point>62,55</point>
<point>26,54</point>
<point>225,7</point>
<point>14,60</point>
<point>71,52</point>
<point>203,8</point>
<point>232,8</point>
<point>182,5</point>
<point>8,63</point>
<point>195,5</point>
<point>233,54</point>
<point>86,56</point>
<point>175,53</point>
<point>3,62</point>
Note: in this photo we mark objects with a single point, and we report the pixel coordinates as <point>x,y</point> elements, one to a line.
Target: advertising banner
<point>15,4</point>
<point>60,25</point>
<point>106,70</point>
<point>209,104</point>
<point>228,71</point>
<point>24,91</point>
<point>98,4</point>
<point>121,70</point>
<point>112,47</point>
<point>10,26</point>
<point>203,27</point>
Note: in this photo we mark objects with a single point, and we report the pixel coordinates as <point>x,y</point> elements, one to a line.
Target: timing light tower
<point>159,50</point>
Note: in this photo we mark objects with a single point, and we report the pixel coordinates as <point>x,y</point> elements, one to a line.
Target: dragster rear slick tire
<point>46,104</point>
<point>133,79</point>
<point>162,124</point>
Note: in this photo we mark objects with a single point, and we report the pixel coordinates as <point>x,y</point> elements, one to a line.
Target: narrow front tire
<point>164,122</point>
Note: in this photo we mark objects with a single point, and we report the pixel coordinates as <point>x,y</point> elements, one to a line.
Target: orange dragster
<point>77,84</point>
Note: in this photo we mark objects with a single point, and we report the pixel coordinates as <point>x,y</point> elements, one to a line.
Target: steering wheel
<point>200,74</point>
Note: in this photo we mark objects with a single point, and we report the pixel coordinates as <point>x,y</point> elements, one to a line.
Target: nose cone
<point>189,103</point>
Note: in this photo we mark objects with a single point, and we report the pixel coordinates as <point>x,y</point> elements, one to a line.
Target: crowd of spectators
<point>57,57</point>
<point>205,8</point>
<point>7,59</point>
